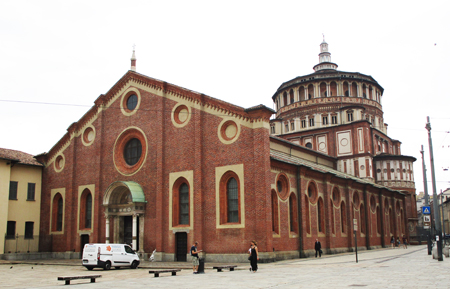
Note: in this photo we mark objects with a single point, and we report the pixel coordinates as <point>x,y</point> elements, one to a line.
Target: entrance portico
<point>124,204</point>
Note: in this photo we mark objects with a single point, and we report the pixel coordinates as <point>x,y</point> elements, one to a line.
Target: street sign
<point>426,227</point>
<point>426,210</point>
<point>427,218</point>
<point>355,225</point>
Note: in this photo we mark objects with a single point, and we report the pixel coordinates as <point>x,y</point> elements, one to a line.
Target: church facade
<point>159,166</point>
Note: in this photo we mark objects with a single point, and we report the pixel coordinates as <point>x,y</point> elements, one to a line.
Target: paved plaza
<point>382,268</point>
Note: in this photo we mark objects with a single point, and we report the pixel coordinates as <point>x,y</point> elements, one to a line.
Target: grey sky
<point>70,52</point>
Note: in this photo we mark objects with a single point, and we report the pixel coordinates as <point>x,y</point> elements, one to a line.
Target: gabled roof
<point>18,157</point>
<point>253,114</point>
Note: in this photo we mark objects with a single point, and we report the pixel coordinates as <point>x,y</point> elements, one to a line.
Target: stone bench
<point>219,268</point>
<point>69,278</point>
<point>157,272</point>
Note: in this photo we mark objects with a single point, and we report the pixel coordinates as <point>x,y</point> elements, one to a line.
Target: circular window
<point>392,170</point>
<point>378,171</point>
<point>88,136</point>
<point>312,192</point>
<point>283,186</point>
<point>373,203</point>
<point>308,145</point>
<point>356,200</point>
<point>228,131</point>
<point>59,163</point>
<point>181,114</point>
<point>132,152</point>
<point>361,167</point>
<point>132,102</point>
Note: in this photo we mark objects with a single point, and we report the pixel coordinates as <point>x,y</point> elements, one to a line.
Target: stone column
<point>107,229</point>
<point>328,90</point>
<point>134,231</point>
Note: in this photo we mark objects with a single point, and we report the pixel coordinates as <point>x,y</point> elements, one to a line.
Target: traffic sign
<point>426,210</point>
<point>427,219</point>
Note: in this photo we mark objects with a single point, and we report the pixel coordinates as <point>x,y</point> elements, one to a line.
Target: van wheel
<point>134,265</point>
<point>90,268</point>
<point>107,265</point>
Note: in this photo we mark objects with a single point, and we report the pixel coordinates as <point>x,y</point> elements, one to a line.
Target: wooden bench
<point>68,278</point>
<point>219,268</point>
<point>157,272</point>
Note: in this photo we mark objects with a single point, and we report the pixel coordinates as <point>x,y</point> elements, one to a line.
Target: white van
<point>109,255</point>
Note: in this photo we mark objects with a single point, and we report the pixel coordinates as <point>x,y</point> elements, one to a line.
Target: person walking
<point>318,248</point>
<point>254,256</point>
<point>194,254</point>
<point>393,242</point>
<point>405,242</point>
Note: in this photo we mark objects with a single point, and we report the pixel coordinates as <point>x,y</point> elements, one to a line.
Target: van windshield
<point>129,250</point>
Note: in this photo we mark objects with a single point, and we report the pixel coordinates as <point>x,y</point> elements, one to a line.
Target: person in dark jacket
<point>318,248</point>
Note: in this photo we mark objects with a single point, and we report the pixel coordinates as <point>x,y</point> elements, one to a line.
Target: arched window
<point>310,91</point>
<point>291,95</point>
<point>323,89</point>
<point>85,221</point>
<point>333,89</point>
<point>354,89</point>
<point>88,218</point>
<point>181,203</point>
<point>343,218</point>
<point>320,216</point>
<point>57,213</point>
<point>184,204</point>
<point>402,220</point>
<point>285,98</point>
<point>230,211</point>
<point>293,222</point>
<point>362,213</point>
<point>301,93</point>
<point>275,227</point>
<point>378,220</point>
<point>307,219</point>
<point>391,219</point>
<point>232,201</point>
<point>333,230</point>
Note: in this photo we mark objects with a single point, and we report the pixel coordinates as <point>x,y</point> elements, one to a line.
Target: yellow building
<point>20,202</point>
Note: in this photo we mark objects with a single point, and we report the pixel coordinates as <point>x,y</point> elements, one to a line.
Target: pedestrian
<point>397,242</point>
<point>393,242</point>
<point>318,248</point>
<point>194,254</point>
<point>254,256</point>
<point>405,242</point>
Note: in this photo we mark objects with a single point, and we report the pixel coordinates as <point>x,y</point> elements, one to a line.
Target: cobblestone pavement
<point>383,268</point>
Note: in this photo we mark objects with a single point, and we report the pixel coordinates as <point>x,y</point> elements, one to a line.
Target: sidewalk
<point>382,268</point>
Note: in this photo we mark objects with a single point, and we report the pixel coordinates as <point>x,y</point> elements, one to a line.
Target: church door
<point>181,246</point>
<point>128,230</point>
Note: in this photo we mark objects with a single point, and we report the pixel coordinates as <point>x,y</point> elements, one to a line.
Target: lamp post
<point>425,189</point>
<point>435,199</point>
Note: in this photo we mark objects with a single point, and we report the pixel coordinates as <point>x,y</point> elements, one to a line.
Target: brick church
<point>159,166</point>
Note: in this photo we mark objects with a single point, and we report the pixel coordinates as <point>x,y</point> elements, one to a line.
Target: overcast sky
<point>70,52</point>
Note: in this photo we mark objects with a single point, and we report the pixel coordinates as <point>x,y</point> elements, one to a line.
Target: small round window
<point>132,151</point>
<point>309,145</point>
<point>132,102</point>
